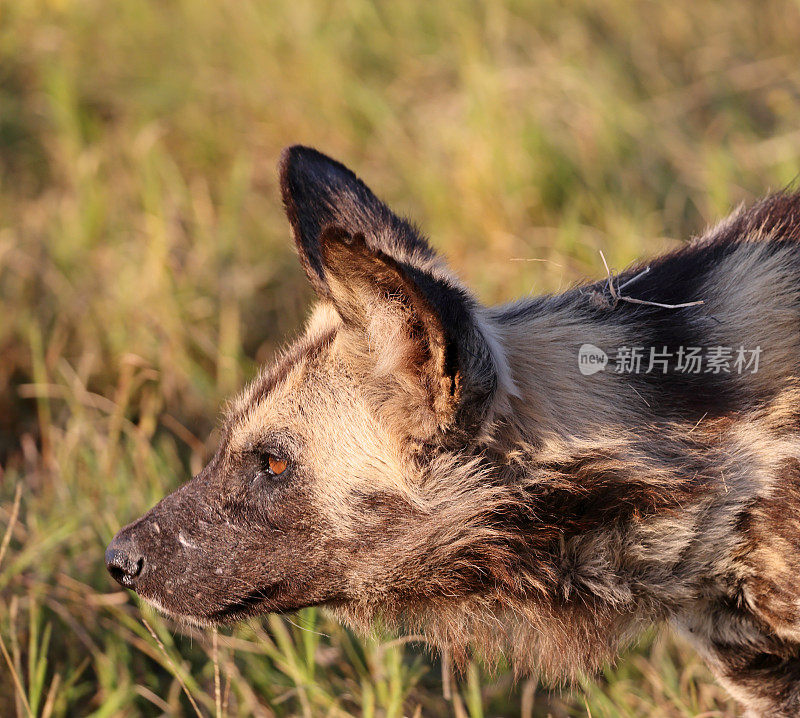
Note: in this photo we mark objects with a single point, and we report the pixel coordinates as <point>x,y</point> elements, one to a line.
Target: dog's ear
<point>397,342</point>
<point>414,329</point>
<point>319,192</point>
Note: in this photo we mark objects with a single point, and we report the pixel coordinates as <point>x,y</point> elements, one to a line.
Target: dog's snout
<point>124,560</point>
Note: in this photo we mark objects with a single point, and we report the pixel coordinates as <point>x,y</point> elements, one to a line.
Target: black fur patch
<point>319,192</point>
<point>680,277</point>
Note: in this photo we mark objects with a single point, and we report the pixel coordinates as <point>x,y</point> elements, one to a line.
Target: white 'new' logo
<point>591,359</point>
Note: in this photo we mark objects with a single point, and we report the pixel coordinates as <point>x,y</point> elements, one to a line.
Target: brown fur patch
<point>771,552</point>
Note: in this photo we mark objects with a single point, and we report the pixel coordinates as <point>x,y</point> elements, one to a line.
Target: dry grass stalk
<point>11,521</point>
<point>15,678</point>
<point>215,656</point>
<point>174,668</point>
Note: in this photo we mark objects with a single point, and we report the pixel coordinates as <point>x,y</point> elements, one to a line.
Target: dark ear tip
<point>298,159</point>
<point>291,158</point>
<point>300,166</point>
<point>295,153</point>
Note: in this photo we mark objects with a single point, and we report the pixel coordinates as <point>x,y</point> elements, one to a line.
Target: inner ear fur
<point>396,336</point>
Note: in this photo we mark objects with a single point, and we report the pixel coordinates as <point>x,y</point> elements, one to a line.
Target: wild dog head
<point>346,474</point>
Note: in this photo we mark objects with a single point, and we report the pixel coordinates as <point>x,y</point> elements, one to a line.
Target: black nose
<point>124,561</point>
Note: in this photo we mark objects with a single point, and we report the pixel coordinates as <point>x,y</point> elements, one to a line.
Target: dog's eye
<point>275,464</point>
<point>270,463</point>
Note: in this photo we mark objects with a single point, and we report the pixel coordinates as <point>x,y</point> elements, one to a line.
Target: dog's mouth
<point>255,601</point>
<point>269,599</point>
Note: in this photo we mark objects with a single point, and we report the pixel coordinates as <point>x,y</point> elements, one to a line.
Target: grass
<point>145,271</point>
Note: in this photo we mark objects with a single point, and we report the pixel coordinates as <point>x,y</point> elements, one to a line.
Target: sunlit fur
<point>461,478</point>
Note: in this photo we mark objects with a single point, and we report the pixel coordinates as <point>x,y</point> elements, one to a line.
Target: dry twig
<point>617,297</point>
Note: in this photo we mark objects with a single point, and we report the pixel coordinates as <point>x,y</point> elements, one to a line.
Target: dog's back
<point>670,461</point>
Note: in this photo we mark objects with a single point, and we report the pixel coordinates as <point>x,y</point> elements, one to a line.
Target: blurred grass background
<point>145,271</point>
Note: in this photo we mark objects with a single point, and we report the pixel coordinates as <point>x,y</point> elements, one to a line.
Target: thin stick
<point>528,698</point>
<point>226,694</point>
<point>638,394</point>
<point>154,698</point>
<point>659,304</point>
<point>307,630</point>
<point>173,667</point>
<point>610,279</point>
<point>217,694</point>
<point>50,702</point>
<point>634,279</point>
<point>446,675</point>
<point>617,297</point>
<point>526,259</point>
<point>17,681</point>
<point>698,423</point>
<point>11,521</point>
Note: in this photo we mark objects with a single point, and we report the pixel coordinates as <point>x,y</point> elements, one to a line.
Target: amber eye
<point>276,466</point>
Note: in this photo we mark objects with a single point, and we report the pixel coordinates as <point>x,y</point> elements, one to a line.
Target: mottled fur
<point>451,471</point>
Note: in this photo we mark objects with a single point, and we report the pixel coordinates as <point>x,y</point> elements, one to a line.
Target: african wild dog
<point>445,466</point>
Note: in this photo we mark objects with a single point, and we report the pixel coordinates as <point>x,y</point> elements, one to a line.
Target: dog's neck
<point>548,396</point>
